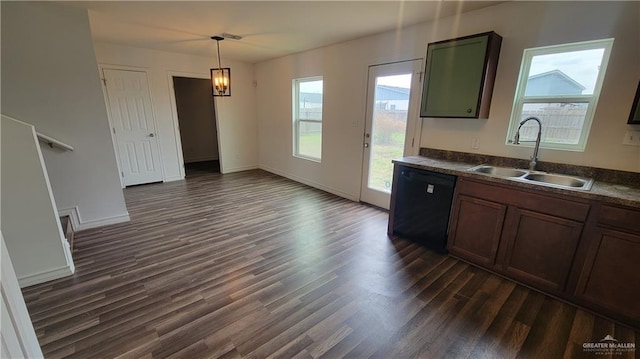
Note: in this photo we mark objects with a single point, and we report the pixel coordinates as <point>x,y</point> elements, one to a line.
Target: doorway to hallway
<point>197,122</point>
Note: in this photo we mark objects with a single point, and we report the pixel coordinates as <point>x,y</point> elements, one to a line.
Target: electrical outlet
<point>631,138</point>
<point>475,143</point>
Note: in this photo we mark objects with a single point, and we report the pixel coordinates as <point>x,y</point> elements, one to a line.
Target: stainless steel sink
<point>541,178</point>
<point>500,171</point>
<point>556,180</point>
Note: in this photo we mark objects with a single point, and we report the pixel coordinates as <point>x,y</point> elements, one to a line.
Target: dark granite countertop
<point>605,191</point>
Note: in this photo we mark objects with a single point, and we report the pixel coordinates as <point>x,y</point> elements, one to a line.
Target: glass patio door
<point>392,126</point>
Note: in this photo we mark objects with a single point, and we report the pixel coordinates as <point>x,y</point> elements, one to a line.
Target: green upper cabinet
<point>459,76</point>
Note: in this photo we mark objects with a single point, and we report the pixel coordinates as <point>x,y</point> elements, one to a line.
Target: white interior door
<point>392,126</point>
<point>130,111</point>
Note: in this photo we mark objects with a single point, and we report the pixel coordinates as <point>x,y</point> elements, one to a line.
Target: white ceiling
<point>269,28</point>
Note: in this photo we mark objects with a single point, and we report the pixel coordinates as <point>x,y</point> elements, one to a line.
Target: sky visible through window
<point>311,86</point>
<point>582,66</point>
<point>403,81</point>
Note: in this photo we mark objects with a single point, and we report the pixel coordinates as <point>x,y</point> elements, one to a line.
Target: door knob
<point>152,135</point>
<point>366,145</point>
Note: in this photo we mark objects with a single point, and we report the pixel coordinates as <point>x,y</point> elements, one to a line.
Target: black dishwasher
<point>423,204</point>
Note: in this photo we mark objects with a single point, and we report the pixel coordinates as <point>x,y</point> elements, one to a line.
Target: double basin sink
<point>541,178</point>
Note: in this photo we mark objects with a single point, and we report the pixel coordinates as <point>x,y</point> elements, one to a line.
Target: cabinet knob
<point>469,110</point>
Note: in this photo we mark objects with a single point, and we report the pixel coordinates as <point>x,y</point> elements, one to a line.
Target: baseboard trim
<point>313,184</point>
<point>42,277</point>
<point>173,178</point>
<point>79,225</point>
<point>240,169</point>
<point>104,221</point>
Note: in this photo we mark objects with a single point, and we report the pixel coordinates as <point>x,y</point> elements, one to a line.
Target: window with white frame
<point>307,118</point>
<point>560,86</point>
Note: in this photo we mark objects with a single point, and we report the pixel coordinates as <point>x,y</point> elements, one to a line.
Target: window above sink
<point>560,85</point>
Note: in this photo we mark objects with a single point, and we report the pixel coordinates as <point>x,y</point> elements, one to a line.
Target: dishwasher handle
<point>428,178</point>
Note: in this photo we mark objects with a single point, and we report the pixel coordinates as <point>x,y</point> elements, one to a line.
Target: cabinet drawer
<point>553,205</point>
<point>621,218</point>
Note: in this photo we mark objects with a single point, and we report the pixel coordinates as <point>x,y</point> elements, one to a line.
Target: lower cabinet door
<point>610,277</point>
<point>538,249</point>
<point>476,226</point>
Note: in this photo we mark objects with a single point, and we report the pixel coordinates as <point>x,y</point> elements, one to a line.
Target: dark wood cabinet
<point>526,235</point>
<point>586,252</point>
<point>610,275</point>
<point>538,248</point>
<point>476,227</point>
<point>459,76</point>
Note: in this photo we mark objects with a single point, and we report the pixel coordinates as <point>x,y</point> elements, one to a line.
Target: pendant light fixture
<point>221,76</point>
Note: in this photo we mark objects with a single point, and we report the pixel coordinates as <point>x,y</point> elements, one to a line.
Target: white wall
<point>49,79</point>
<point>521,24</point>
<point>344,71</point>
<point>29,217</point>
<point>17,336</point>
<point>236,121</point>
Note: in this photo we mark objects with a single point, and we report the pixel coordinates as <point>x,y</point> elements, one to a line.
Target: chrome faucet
<point>516,141</point>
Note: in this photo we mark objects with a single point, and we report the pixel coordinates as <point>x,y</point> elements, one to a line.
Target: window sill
<point>547,146</point>
<point>317,160</point>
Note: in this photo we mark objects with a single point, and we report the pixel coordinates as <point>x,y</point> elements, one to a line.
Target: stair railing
<point>52,142</point>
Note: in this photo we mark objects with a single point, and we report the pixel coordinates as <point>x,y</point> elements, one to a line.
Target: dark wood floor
<point>199,168</point>
<point>254,265</point>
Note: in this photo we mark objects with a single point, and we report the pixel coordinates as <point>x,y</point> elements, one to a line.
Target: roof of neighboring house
<point>559,75</point>
<point>385,93</point>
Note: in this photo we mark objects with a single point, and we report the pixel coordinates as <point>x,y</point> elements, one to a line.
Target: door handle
<point>366,145</point>
<point>152,135</point>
